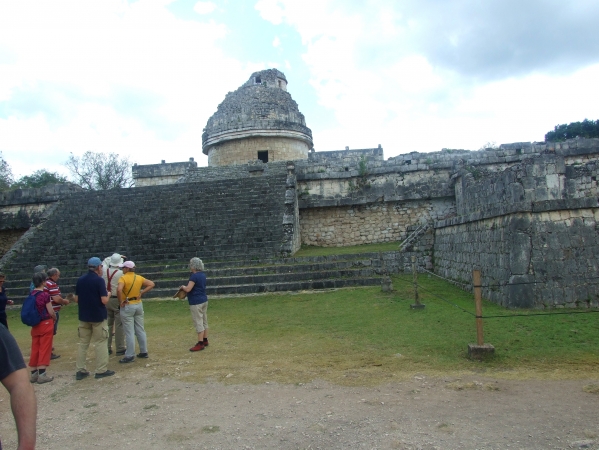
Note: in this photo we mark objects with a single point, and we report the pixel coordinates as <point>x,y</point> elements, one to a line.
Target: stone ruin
<point>525,214</point>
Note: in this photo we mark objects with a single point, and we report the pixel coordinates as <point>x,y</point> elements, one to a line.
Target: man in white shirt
<point>111,274</point>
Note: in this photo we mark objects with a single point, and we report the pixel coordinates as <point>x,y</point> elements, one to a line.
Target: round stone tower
<point>259,120</point>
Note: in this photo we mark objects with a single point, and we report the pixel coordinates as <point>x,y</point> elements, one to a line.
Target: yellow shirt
<point>132,286</point>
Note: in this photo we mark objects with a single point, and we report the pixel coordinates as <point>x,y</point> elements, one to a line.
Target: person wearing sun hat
<point>91,296</point>
<point>130,290</point>
<point>111,275</point>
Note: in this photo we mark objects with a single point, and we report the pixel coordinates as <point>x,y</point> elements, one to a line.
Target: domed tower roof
<point>260,108</point>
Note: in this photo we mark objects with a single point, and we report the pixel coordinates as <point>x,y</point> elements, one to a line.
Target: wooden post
<point>480,350</point>
<point>478,303</point>
<point>415,280</point>
<point>417,304</point>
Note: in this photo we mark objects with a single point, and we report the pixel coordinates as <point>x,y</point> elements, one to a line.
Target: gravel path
<point>137,411</point>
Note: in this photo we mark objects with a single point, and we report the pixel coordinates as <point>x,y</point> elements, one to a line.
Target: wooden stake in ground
<point>480,350</point>
<point>417,304</point>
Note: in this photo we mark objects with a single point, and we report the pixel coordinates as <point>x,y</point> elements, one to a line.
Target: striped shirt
<point>53,289</point>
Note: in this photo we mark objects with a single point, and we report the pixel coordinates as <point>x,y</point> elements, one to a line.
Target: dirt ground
<point>135,410</point>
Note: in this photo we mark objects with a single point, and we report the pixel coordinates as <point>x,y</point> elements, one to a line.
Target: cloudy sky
<point>141,78</point>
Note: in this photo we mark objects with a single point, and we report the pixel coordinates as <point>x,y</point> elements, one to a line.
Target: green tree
<point>6,178</point>
<point>585,129</point>
<point>100,171</point>
<point>40,178</point>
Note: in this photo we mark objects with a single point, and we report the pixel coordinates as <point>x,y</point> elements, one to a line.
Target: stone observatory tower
<point>259,120</point>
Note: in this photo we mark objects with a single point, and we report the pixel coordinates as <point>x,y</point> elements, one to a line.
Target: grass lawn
<point>308,250</point>
<point>349,336</point>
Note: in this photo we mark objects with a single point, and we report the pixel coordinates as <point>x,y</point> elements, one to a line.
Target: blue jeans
<point>132,317</point>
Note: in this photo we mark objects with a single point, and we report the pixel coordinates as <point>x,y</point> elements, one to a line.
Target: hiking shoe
<point>127,359</point>
<point>53,356</point>
<point>142,355</point>
<point>81,374</point>
<point>108,373</point>
<point>120,352</point>
<point>196,348</point>
<point>44,378</point>
<point>33,377</point>
<point>205,342</point>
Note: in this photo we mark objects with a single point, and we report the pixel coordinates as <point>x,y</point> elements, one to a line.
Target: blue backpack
<point>29,313</point>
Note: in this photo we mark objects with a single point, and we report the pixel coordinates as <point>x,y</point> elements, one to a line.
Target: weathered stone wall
<point>530,229</point>
<point>22,208</point>
<point>8,238</point>
<point>161,174</point>
<point>346,156</point>
<point>544,257</point>
<point>240,151</point>
<point>581,179</point>
<point>531,180</point>
<point>251,169</point>
<point>366,224</point>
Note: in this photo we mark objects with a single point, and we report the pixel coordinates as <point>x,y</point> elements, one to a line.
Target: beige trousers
<point>114,318</point>
<point>93,333</point>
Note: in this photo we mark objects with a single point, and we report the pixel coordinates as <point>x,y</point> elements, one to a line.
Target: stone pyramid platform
<point>242,277</point>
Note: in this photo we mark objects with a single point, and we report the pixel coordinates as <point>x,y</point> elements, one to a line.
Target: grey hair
<point>51,272</point>
<point>196,263</point>
<point>39,278</point>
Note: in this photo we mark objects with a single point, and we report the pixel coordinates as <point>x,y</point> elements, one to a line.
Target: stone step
<point>21,290</point>
<point>238,277</point>
<point>225,268</point>
<point>292,286</point>
<point>220,221</point>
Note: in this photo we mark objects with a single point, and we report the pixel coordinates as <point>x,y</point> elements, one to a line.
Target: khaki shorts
<point>198,314</point>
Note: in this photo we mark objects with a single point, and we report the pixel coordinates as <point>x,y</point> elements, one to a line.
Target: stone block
<point>481,352</point>
<point>520,291</point>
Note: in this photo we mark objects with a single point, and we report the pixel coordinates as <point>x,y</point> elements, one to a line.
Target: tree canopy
<point>585,129</point>
<point>100,171</point>
<point>6,179</point>
<point>38,179</point>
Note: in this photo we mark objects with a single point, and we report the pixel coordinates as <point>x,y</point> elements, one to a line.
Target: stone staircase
<point>241,277</point>
<point>219,220</point>
<point>416,231</point>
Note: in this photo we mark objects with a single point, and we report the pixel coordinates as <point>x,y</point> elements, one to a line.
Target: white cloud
<point>204,7</point>
<point>139,80</point>
<point>109,76</point>
<point>366,69</point>
<point>270,10</point>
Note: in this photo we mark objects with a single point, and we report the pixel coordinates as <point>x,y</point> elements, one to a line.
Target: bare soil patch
<point>136,410</point>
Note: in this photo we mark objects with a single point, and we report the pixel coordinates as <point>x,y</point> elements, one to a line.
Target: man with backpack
<point>91,296</point>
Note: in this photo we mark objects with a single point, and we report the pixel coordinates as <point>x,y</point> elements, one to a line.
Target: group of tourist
<point>109,297</point>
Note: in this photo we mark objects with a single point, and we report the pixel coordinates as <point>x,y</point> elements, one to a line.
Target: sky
<point>141,78</point>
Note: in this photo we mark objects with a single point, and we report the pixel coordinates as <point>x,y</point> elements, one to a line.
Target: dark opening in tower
<point>263,156</point>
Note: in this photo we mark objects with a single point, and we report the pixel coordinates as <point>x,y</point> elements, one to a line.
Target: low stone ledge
<point>481,352</point>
